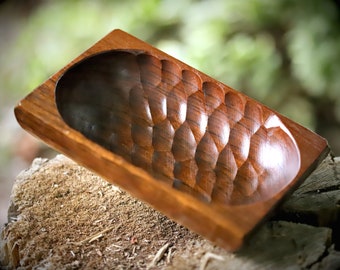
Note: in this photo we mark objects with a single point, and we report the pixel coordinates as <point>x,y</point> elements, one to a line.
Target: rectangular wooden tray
<point>202,153</point>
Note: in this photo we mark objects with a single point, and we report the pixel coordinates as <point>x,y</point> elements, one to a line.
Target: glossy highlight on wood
<point>202,153</point>
<point>202,138</point>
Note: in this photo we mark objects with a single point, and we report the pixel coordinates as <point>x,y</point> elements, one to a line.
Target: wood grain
<point>206,155</point>
<point>204,139</point>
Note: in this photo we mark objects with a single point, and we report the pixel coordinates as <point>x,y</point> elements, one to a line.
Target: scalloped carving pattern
<point>202,137</point>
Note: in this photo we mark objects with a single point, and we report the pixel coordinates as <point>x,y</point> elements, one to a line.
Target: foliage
<point>283,53</point>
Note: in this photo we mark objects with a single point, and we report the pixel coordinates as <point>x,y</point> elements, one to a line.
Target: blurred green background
<point>284,53</point>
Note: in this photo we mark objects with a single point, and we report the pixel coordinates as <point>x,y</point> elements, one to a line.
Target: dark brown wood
<point>204,154</point>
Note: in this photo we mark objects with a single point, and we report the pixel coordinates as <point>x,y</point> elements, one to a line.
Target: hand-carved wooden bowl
<point>196,135</point>
<point>204,154</point>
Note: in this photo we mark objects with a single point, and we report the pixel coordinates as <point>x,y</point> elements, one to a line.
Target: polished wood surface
<point>202,153</point>
<point>200,137</point>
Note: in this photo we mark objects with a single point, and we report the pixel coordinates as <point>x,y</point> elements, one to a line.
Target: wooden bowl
<point>196,135</point>
<point>199,151</point>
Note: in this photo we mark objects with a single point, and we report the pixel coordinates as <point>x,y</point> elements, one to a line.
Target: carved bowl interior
<point>196,134</point>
